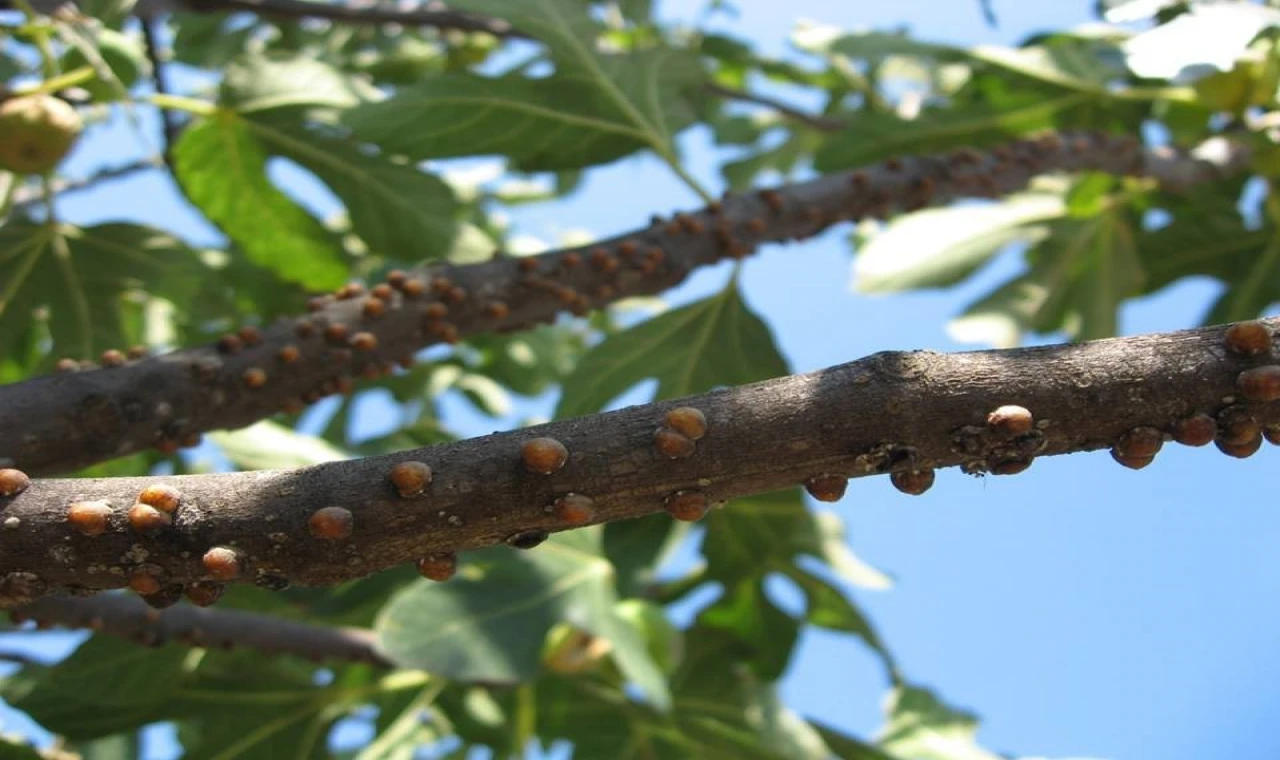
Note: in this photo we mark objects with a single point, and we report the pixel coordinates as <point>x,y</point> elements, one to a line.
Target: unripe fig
<point>36,132</point>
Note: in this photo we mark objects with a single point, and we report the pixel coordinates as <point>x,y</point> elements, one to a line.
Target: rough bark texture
<point>132,619</point>
<point>893,411</point>
<point>69,420</point>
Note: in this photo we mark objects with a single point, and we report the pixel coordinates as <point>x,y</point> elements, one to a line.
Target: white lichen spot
<point>704,482</point>
<point>115,570</point>
<point>12,523</point>
<point>63,555</point>
<point>136,555</point>
<point>279,537</point>
<point>162,409</point>
<point>455,520</point>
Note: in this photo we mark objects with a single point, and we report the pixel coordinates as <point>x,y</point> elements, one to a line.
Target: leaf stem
<point>183,103</point>
<point>59,82</point>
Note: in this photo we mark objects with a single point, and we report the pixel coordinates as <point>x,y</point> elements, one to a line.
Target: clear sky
<point>1083,610</point>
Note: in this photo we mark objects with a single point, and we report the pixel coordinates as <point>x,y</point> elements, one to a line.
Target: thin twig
<point>168,123</point>
<point>820,123</point>
<point>31,196</point>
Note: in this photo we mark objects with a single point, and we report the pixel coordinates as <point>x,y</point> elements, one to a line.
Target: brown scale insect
<point>1009,465</point>
<point>859,180</point>
<point>1248,338</point>
<point>687,506</point>
<point>445,332</point>
<point>605,291</point>
<point>570,260</point>
<point>222,563</point>
<point>254,377</point>
<point>442,285</point>
<point>438,567</point>
<point>574,509</point>
<point>528,265</point>
<point>251,335</point>
<point>672,444</point>
<point>543,455</point>
<point>163,497</point>
<point>715,207</point>
<point>350,290</point>
<point>67,365</point>
<point>1197,430</point>
<point>1272,434</point>
<point>1260,384</point>
<point>136,352</point>
<point>1240,450</point>
<point>370,372</point>
<point>318,303</point>
<point>827,487</point>
<point>344,385</point>
<point>1237,425</point>
<point>92,518</point>
<point>13,482</point>
<point>1137,444</point>
<point>336,334</point>
<point>147,519</point>
<point>410,478</point>
<point>456,295</point>
<point>525,539</point>
<point>412,288</point>
<point>373,308</point>
<point>772,199</point>
<point>672,229</point>
<point>496,310</point>
<point>396,278</point>
<point>382,291</point>
<point>304,328</point>
<point>147,579</point>
<point>230,344</point>
<point>293,406</point>
<point>1010,420</point>
<point>688,421</point>
<point>628,248</point>
<point>912,482</point>
<point>755,226</point>
<point>331,523</point>
<point>204,594</point>
<point>364,341</point>
<point>435,310</point>
<point>288,354</point>
<point>111,358</point>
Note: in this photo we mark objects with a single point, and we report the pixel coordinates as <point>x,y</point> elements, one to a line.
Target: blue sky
<point>1083,610</point>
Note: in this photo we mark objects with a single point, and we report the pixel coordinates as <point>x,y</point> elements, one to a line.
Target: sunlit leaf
<point>922,727</point>
<point>222,168</point>
<point>267,445</point>
<point>492,627</point>
<point>717,341</point>
<point>938,248</point>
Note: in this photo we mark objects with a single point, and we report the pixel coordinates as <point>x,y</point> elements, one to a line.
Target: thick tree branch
<point>902,412</point>
<point>68,420</point>
<point>132,619</point>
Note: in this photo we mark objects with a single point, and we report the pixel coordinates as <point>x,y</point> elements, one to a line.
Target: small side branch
<point>130,618</point>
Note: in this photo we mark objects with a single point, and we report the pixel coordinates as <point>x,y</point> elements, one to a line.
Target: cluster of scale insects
<point>371,345</point>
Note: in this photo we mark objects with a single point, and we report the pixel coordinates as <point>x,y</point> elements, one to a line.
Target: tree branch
<point>168,124</point>
<point>72,419</point>
<point>906,413</point>
<point>33,196</point>
<point>132,619</point>
<point>820,123</point>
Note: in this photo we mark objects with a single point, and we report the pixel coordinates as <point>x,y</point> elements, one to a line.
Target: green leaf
<point>118,747</point>
<point>395,209</point>
<point>846,747</point>
<point>106,686</point>
<point>254,83</point>
<point>84,285</point>
<point>1079,275</point>
<point>267,445</point>
<point>491,627</point>
<point>764,636</point>
<point>714,342</point>
<point>922,727</point>
<point>938,248</point>
<point>540,124</point>
<point>637,547</point>
<point>222,168</point>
